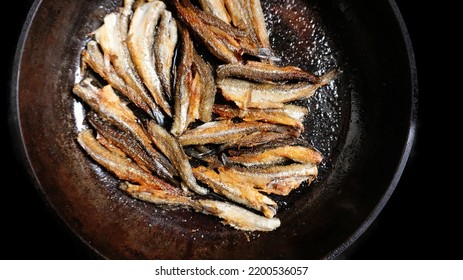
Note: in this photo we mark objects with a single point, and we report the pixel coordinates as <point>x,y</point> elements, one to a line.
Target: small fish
<point>208,89</point>
<point>140,42</point>
<point>216,8</point>
<point>128,145</point>
<point>122,167</point>
<point>170,147</point>
<point>238,217</point>
<point>183,85</point>
<point>248,94</point>
<point>93,57</point>
<point>278,155</point>
<point>159,197</point>
<point>214,44</point>
<point>290,115</point>
<point>264,73</point>
<point>166,39</point>
<point>254,8</point>
<point>109,106</point>
<point>236,191</point>
<point>112,37</point>
<point>279,179</point>
<point>221,132</point>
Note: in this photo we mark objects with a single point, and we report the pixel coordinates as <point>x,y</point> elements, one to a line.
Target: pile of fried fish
<point>189,109</point>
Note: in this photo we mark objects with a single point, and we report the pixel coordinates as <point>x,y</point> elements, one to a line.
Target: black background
<point>422,219</point>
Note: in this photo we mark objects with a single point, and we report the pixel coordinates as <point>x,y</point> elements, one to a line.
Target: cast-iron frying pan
<point>363,123</point>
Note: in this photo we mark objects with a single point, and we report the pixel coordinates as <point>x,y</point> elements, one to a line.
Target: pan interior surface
<point>362,123</point>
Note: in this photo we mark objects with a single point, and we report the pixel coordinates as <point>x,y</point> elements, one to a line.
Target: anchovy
<point>159,197</point>
<point>182,86</point>
<point>127,143</point>
<point>112,37</point>
<point>164,50</point>
<point>141,45</point>
<point>238,217</point>
<point>290,115</point>
<point>260,138</point>
<point>216,8</point>
<point>207,97</point>
<point>214,44</point>
<point>238,14</point>
<point>220,132</point>
<point>93,57</point>
<point>264,73</point>
<point>278,155</point>
<point>170,147</point>
<point>236,191</point>
<point>247,94</point>
<point>122,167</point>
<point>256,13</point>
<point>279,179</point>
<point>109,106</point>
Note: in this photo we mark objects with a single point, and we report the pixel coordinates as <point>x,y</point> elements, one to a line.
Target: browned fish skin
<point>182,86</point>
<point>220,132</point>
<point>290,115</point>
<point>238,217</point>
<point>204,71</point>
<point>238,14</point>
<point>164,50</point>
<point>124,168</point>
<point>109,106</point>
<point>278,156</point>
<point>216,8</point>
<point>170,147</point>
<point>159,197</point>
<point>93,57</point>
<point>132,148</point>
<point>259,138</point>
<point>280,179</point>
<point>263,72</point>
<point>247,94</point>
<point>112,37</point>
<point>236,191</point>
<point>254,8</point>
<point>141,42</point>
<point>216,46</point>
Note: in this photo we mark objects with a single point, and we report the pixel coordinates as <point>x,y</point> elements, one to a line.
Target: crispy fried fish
<point>109,106</point>
<point>140,42</point>
<point>159,197</point>
<point>237,192</point>
<point>238,217</point>
<point>279,179</point>
<point>216,8</point>
<point>290,115</point>
<point>164,50</point>
<point>183,85</point>
<point>248,94</point>
<point>264,73</point>
<point>170,147</point>
<point>125,142</point>
<point>112,37</point>
<point>93,57</point>
<point>277,155</point>
<point>122,167</point>
<point>221,132</point>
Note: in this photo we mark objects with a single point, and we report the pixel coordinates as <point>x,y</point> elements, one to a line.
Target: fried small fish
<point>246,94</point>
<point>140,42</point>
<point>122,167</point>
<point>237,192</point>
